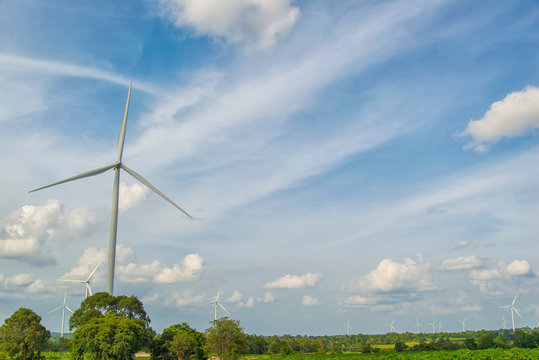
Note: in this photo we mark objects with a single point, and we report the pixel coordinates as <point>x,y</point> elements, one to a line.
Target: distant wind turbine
<point>63,307</point>
<point>391,327</point>
<point>463,322</point>
<point>87,281</point>
<point>348,327</point>
<point>440,326</point>
<point>217,304</point>
<point>417,325</point>
<point>115,194</point>
<point>433,326</point>
<point>513,310</point>
<point>504,323</point>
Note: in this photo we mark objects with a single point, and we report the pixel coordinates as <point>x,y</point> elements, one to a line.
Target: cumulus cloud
<point>87,262</point>
<point>248,304</point>
<point>235,297</point>
<point>295,282</point>
<point>268,298</point>
<point>391,276</point>
<point>25,233</point>
<point>186,298</point>
<point>461,263</point>
<point>155,272</point>
<point>19,280</point>
<point>131,196</point>
<point>308,300</point>
<point>37,287</point>
<point>516,115</point>
<point>256,23</point>
<point>517,268</point>
<point>487,279</point>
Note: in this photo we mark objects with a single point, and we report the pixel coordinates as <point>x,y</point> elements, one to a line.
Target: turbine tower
<point>217,304</point>
<point>463,322</point>
<point>513,310</point>
<point>87,281</point>
<point>115,194</point>
<point>63,307</point>
<point>348,327</point>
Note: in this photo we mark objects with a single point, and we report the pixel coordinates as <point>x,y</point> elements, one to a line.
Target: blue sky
<point>370,161</point>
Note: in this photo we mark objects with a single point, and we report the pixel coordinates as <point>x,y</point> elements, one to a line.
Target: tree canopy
<point>179,341</point>
<point>226,339</point>
<point>22,334</point>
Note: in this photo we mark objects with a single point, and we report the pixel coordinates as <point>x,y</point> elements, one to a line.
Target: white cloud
<point>463,244</point>
<point>131,196</point>
<point>155,272</point>
<point>235,297</point>
<point>19,280</point>
<point>357,300</point>
<point>87,263</point>
<point>257,23</point>
<point>25,233</point>
<point>186,298</point>
<point>461,263</point>
<point>390,276</point>
<point>517,268</point>
<point>517,114</point>
<point>248,304</point>
<point>268,298</point>
<point>308,300</point>
<point>37,287</point>
<point>295,282</point>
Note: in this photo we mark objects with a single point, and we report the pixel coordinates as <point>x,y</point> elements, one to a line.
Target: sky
<point>361,160</point>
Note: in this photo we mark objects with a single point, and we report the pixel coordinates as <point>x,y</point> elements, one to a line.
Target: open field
<point>488,354</point>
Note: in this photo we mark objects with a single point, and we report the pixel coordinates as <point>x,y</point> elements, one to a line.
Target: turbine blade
<point>153,188</point>
<point>121,137</point>
<point>515,299</point>
<point>93,272</point>
<point>80,176</point>
<point>222,307</point>
<point>77,281</point>
<point>69,309</point>
<point>516,310</point>
<point>58,308</point>
<point>218,293</point>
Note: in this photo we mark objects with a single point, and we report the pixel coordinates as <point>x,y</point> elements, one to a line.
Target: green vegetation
<point>23,335</point>
<point>109,327</point>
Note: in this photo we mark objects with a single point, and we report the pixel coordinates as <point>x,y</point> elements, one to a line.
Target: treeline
<point>116,327</point>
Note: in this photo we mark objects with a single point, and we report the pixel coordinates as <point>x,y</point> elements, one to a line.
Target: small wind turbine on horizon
<point>440,326</point>
<point>433,326</point>
<point>87,281</point>
<point>63,307</point>
<point>417,325</point>
<point>463,322</point>
<point>115,194</point>
<point>513,310</point>
<point>391,327</point>
<point>348,327</point>
<point>217,304</point>
<point>504,323</point>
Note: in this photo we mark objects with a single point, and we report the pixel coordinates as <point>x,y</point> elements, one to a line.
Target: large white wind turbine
<point>217,304</point>
<point>513,310</point>
<point>348,327</point>
<point>63,307</point>
<point>115,194</point>
<point>87,281</point>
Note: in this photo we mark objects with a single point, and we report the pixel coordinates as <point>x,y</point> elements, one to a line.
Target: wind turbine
<point>391,327</point>
<point>463,322</point>
<point>504,323</point>
<point>440,326</point>
<point>217,304</point>
<point>348,327</point>
<point>87,281</point>
<point>513,310</point>
<point>63,307</point>
<point>433,326</point>
<point>417,325</point>
<point>115,194</point>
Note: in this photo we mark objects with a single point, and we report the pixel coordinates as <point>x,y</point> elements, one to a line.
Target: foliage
<point>102,303</point>
<point>485,342</point>
<point>178,342</point>
<point>257,344</point>
<point>22,334</point>
<point>109,337</point>
<point>61,344</point>
<point>400,346</point>
<point>109,327</point>
<point>226,339</point>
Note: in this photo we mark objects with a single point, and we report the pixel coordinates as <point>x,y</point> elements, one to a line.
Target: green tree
<point>226,339</point>
<point>109,327</point>
<point>400,346</point>
<point>485,342</point>
<point>22,334</point>
<point>470,344</point>
<point>178,341</point>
